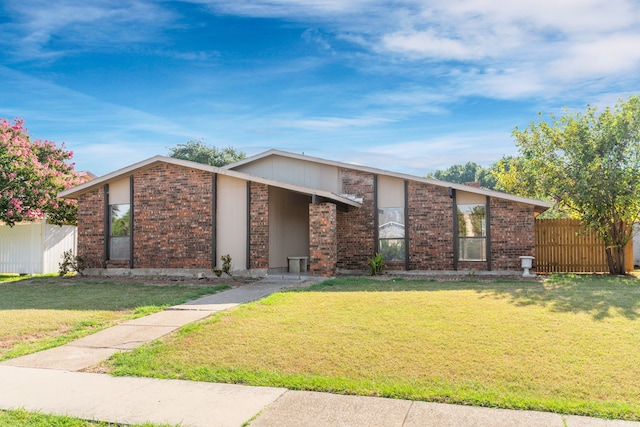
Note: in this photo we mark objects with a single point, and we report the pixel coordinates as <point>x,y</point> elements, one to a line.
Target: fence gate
<point>564,246</point>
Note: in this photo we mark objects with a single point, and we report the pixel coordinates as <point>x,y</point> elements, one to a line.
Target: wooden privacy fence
<point>564,246</point>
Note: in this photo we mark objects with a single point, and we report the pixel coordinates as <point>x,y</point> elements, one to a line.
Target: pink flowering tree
<point>31,175</point>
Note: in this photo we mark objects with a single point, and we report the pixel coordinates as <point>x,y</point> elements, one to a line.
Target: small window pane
<point>472,249</point>
<point>472,221</point>
<point>120,220</point>
<point>119,249</point>
<point>392,249</point>
<point>391,223</point>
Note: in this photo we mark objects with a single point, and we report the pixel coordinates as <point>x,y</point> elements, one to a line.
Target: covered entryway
<point>288,227</point>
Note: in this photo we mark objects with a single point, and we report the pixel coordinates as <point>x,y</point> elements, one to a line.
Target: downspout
<point>406,225</point>
<point>214,220</point>
<point>248,242</point>
<point>131,221</point>
<point>488,231</point>
<point>376,234</point>
<point>452,194</point>
<point>107,227</point>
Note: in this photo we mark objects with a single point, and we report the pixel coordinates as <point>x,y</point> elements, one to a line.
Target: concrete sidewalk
<point>46,382</point>
<point>93,349</point>
<point>128,400</point>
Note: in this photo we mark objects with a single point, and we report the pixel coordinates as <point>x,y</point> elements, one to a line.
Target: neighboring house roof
<point>539,205</point>
<point>75,192</point>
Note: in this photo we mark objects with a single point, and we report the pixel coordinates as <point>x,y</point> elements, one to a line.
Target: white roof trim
<point>128,170</point>
<point>439,183</point>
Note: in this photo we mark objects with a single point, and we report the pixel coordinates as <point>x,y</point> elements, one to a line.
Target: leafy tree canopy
<point>198,151</point>
<point>31,175</point>
<point>589,163</point>
<point>470,172</point>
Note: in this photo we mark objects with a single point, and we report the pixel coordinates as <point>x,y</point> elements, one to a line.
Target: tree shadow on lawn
<point>598,295</point>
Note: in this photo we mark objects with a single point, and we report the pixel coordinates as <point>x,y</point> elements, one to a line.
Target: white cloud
<point>331,123</point>
<point>420,157</point>
<point>79,25</point>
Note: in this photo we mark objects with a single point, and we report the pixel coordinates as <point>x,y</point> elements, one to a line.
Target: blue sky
<point>406,85</point>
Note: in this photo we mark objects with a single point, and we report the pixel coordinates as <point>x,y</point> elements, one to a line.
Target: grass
<point>567,345</point>
<point>44,312</point>
<point>22,418</point>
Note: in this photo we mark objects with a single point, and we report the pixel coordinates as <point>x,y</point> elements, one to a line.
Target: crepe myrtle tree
<point>589,163</point>
<point>31,175</point>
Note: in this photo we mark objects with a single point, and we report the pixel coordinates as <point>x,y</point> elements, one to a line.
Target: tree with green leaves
<point>589,163</point>
<point>470,172</point>
<point>198,151</point>
<point>32,173</point>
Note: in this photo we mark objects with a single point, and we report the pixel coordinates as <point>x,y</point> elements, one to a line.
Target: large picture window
<point>391,234</point>
<point>472,232</point>
<point>119,231</point>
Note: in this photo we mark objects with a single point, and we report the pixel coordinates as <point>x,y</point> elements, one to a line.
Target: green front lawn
<point>44,312</point>
<point>568,344</point>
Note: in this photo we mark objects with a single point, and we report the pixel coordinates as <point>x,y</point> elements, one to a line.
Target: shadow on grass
<point>597,295</point>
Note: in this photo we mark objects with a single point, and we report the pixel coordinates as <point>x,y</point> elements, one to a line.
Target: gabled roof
<point>75,192</point>
<point>539,205</point>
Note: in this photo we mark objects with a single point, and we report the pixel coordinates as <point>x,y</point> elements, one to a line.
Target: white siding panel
<point>390,192</point>
<point>57,240</point>
<point>295,171</point>
<point>464,198</point>
<point>119,192</point>
<point>34,248</point>
<point>232,221</point>
<point>21,248</point>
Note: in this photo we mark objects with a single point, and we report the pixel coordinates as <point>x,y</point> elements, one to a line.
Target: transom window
<point>472,232</point>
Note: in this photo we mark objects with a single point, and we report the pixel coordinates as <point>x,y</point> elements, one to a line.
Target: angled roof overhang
<point>75,192</point>
<point>538,205</point>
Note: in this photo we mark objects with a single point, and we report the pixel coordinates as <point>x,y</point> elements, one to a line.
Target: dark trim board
<point>214,220</point>
<point>106,223</point>
<point>406,225</point>
<point>487,214</point>
<point>248,225</point>
<point>131,221</point>
<point>456,244</point>
<point>376,232</point>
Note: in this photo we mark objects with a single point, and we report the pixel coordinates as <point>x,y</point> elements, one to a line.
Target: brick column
<point>259,223</point>
<point>323,239</point>
<point>91,233</point>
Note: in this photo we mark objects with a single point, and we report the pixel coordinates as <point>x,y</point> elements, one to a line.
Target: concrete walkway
<point>49,382</point>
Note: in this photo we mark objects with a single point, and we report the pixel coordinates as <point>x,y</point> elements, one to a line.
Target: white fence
<point>35,248</point>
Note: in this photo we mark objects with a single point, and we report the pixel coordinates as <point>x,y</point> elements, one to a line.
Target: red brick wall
<point>91,227</point>
<point>512,233</point>
<point>259,223</point>
<point>323,239</point>
<point>430,227</point>
<point>356,226</point>
<point>172,217</point>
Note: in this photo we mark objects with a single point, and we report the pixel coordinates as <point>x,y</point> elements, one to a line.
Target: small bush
<point>376,264</point>
<point>226,263</point>
<point>226,266</point>
<point>71,264</point>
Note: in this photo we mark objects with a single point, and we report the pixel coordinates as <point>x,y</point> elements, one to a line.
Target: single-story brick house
<point>175,215</point>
